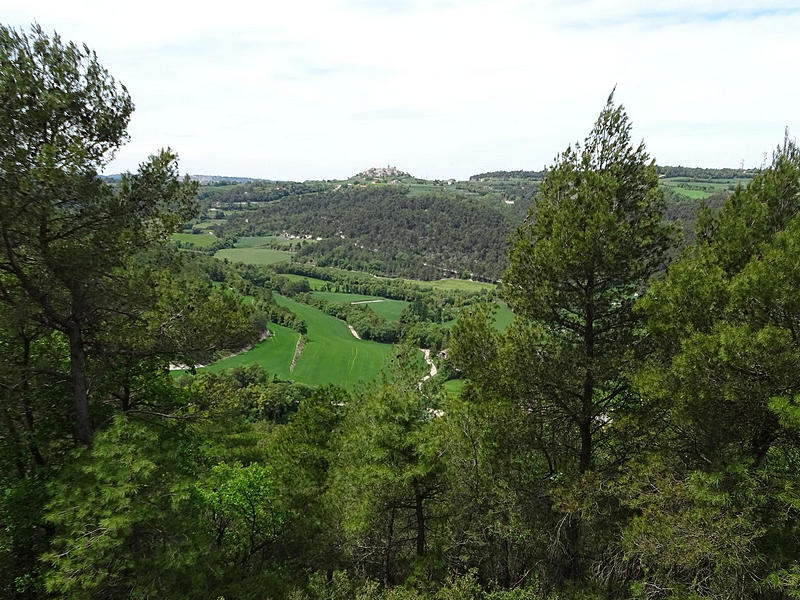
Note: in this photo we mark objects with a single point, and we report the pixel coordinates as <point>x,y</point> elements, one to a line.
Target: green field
<point>693,194</point>
<point>201,240</point>
<point>314,284</point>
<point>388,309</point>
<point>502,317</point>
<point>252,241</point>
<point>698,188</point>
<point>342,297</point>
<point>254,256</point>
<point>332,354</point>
<point>457,285</point>
<point>274,353</point>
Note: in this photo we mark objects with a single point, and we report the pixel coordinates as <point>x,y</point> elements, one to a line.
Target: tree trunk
<point>587,409</point>
<point>80,395</point>
<point>26,405</point>
<point>585,453</point>
<point>387,571</point>
<point>420,520</point>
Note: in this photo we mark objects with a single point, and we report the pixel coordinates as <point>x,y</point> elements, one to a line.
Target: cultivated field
<point>331,353</point>
<point>264,241</point>
<point>388,309</point>
<point>453,387</point>
<point>201,240</point>
<point>274,353</point>
<point>458,285</point>
<point>254,256</point>
<point>698,188</point>
<point>503,317</point>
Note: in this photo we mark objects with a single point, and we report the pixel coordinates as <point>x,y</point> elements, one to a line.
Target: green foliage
<point>724,320</point>
<point>406,231</point>
<point>384,478</point>
<point>114,509</point>
<point>611,441</point>
<point>594,239</point>
<point>240,504</point>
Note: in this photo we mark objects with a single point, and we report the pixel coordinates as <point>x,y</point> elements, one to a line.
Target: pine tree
<point>589,247</point>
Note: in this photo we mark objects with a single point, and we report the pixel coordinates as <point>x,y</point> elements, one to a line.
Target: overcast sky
<point>298,89</point>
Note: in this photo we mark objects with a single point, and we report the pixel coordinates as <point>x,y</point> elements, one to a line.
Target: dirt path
<point>298,350</point>
<point>427,354</point>
<point>354,332</point>
<point>368,301</point>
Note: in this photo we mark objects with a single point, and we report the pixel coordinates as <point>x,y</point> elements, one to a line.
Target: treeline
<point>703,173</point>
<point>398,289</point>
<point>227,196</point>
<point>421,324</point>
<point>255,283</point>
<point>538,175</point>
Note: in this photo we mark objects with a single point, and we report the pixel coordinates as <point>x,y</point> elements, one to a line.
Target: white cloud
<point>440,88</point>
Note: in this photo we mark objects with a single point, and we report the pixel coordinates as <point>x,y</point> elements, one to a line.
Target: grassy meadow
<point>254,256</point>
<point>388,309</point>
<point>700,189</point>
<point>274,353</point>
<point>331,353</point>
<point>201,240</point>
<point>452,284</point>
<point>264,241</point>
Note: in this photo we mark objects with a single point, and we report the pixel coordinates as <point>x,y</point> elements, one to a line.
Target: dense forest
<point>634,433</point>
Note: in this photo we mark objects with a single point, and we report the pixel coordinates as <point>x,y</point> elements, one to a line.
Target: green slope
<point>274,353</point>
<point>331,353</point>
<point>254,256</point>
<point>388,309</point>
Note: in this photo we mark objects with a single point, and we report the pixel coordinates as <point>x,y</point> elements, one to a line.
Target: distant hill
<point>387,230</point>
<point>508,175</point>
<point>703,173</point>
<point>386,222</point>
<point>211,179</point>
<point>201,179</point>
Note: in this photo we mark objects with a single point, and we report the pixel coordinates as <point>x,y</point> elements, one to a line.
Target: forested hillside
<point>387,229</point>
<point>403,226</point>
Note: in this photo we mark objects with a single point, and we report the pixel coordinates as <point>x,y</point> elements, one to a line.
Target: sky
<point>296,90</point>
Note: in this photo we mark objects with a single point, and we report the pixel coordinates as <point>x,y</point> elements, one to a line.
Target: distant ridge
<point>664,170</point>
<point>206,179</point>
<point>508,175</point>
<point>201,179</point>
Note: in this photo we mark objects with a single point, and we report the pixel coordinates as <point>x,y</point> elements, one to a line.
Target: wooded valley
<point>577,383</point>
